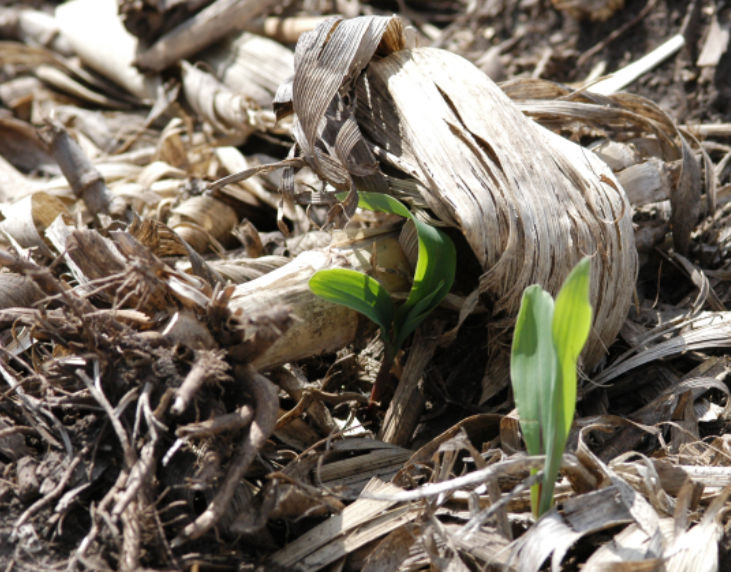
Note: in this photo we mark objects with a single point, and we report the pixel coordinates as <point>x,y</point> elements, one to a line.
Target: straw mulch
<point>173,396</point>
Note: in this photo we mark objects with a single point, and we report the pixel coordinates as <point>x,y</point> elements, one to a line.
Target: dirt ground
<point>508,39</point>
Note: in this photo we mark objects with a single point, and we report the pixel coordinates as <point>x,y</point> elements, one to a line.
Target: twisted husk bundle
<point>529,203</point>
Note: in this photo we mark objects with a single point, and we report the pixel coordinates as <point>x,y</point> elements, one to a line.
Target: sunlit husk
<point>318,326</point>
<point>529,203</point>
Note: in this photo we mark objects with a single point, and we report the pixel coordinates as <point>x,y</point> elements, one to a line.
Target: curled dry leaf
<point>328,62</point>
<point>251,66</point>
<point>647,134</point>
<point>203,221</point>
<point>707,330</point>
<point>529,203</point>
<point>223,108</point>
<point>25,220</point>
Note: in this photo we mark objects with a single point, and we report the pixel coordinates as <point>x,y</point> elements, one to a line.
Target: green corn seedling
<point>547,341</point>
<point>433,278</point>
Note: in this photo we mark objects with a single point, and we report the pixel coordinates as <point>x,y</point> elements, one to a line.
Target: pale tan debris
<point>286,30</point>
<point>625,76</point>
<point>715,45</point>
<point>26,220</point>
<point>591,9</point>
<point>203,222</point>
<point>252,66</point>
<point>106,46</point>
<point>208,26</point>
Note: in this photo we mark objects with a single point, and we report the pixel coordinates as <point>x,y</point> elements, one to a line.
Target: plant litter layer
<point>175,396</point>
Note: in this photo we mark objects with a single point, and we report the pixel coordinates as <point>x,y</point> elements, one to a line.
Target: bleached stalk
<point>318,326</point>
<point>625,76</point>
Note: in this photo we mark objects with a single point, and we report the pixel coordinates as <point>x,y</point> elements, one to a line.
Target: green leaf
<point>547,342</point>
<point>433,278</point>
<point>408,318</point>
<point>382,203</point>
<point>533,371</point>
<point>533,363</point>
<point>571,325</point>
<point>436,266</point>
<point>358,292</point>
<point>569,331</point>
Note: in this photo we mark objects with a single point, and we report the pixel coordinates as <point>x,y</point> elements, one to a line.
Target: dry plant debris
<point>172,395</point>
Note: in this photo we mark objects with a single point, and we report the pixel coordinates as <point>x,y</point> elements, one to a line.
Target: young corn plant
<point>433,278</point>
<point>547,341</point>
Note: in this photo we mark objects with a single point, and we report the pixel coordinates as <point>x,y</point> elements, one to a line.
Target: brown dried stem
<point>408,401</point>
<point>235,421</point>
<point>265,397</point>
<point>85,180</point>
<point>209,366</point>
<point>203,29</point>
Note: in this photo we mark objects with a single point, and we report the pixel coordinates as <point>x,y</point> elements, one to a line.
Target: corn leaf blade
<point>532,363</point>
<point>408,318</point>
<point>571,326</point>
<point>358,292</point>
<point>532,370</point>
<point>382,203</point>
<point>436,266</point>
<point>569,331</point>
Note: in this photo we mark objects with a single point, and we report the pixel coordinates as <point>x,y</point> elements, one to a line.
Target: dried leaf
<point>251,66</point>
<point>502,179</point>
<point>25,220</point>
<point>106,46</point>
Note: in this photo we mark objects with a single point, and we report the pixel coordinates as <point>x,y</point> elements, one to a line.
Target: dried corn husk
<point>202,221</point>
<point>251,66</point>
<point>319,326</point>
<point>643,125</point>
<point>25,220</point>
<point>105,45</point>
<point>222,107</point>
<point>529,203</point>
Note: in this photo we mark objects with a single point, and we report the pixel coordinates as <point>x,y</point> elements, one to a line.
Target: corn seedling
<point>548,339</point>
<point>433,278</point>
